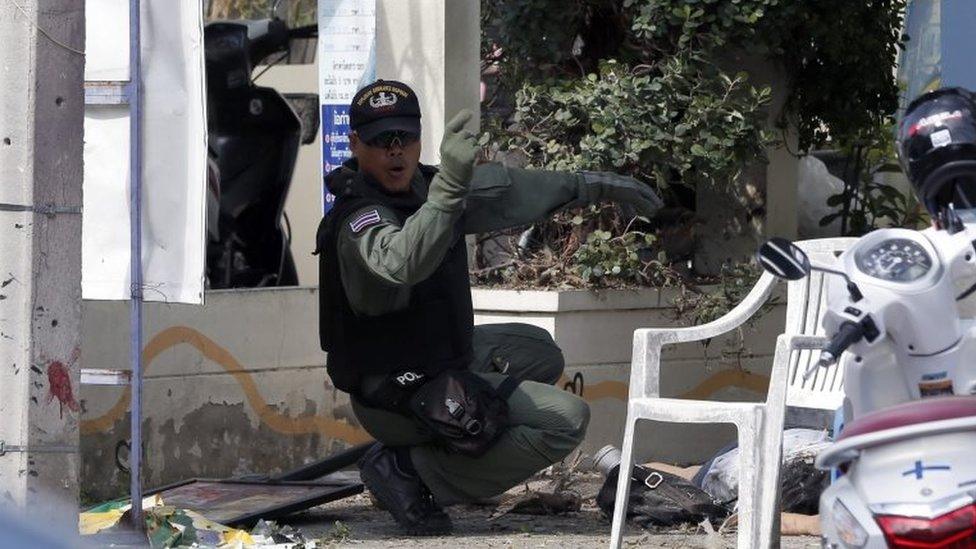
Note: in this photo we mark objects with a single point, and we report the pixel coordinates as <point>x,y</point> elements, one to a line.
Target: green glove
<point>458,150</point>
<point>622,189</point>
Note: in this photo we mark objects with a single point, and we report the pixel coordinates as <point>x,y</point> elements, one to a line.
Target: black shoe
<point>403,494</point>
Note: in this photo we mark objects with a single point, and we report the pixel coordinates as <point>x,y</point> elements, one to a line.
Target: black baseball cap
<point>384,105</point>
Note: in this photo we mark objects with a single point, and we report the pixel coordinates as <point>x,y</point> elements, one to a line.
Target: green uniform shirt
<point>380,263</point>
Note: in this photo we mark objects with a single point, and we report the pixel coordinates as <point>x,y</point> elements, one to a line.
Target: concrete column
<point>41,121</point>
<point>762,202</point>
<point>434,47</point>
<point>782,188</point>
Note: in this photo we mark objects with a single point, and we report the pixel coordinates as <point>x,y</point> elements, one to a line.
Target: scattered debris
<point>340,532</point>
<point>730,525</point>
<point>109,514</point>
<point>168,526</point>
<point>713,540</point>
<point>551,492</point>
<point>587,528</point>
<point>541,502</point>
<point>269,533</point>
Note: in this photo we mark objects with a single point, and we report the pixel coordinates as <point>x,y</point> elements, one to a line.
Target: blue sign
<point>347,30</point>
<point>335,141</point>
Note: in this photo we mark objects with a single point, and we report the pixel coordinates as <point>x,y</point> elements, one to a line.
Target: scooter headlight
<point>849,530</point>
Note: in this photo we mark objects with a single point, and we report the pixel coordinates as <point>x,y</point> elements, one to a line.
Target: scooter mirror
<point>783,259</point>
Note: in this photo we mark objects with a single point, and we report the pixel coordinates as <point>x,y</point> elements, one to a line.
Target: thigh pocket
<point>522,350</point>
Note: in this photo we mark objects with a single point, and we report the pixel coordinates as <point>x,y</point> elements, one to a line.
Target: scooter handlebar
<point>848,334</point>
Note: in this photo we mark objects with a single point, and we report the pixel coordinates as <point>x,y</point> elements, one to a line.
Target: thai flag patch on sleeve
<point>364,220</point>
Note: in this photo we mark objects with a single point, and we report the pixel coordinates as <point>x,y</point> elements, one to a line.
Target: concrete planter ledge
<point>491,299</point>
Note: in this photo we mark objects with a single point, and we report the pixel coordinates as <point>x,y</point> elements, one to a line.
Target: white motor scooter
<point>908,452</point>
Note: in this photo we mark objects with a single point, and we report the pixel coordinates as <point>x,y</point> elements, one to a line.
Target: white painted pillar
<point>434,47</point>
<point>41,121</point>
<point>782,171</point>
<point>782,190</point>
<point>762,202</point>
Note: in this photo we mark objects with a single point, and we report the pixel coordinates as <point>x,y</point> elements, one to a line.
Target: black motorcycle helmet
<point>937,149</point>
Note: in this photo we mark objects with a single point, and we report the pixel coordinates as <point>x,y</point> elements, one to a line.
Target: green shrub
<point>688,124</point>
<point>645,88</point>
<point>866,203</point>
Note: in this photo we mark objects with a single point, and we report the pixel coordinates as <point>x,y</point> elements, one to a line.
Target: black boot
<point>401,492</point>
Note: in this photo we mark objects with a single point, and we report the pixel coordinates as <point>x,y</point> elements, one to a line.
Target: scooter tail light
<point>953,530</point>
<point>849,530</point>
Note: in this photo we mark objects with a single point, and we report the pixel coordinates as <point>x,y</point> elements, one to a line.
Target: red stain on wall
<point>59,384</point>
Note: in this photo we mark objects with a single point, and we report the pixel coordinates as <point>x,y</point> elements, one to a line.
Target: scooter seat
<point>911,413</point>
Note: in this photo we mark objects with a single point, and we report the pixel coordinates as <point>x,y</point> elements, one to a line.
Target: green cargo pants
<point>546,423</point>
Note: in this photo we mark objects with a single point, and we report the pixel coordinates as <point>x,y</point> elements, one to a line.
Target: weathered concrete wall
<point>239,385</point>
<point>235,386</point>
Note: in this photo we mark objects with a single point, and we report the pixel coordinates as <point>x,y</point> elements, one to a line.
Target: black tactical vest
<point>432,334</point>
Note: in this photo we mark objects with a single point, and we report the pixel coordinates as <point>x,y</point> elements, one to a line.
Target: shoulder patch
<point>365,219</point>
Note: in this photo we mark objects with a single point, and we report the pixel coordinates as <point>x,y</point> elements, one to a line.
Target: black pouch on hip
<point>464,413</point>
<point>392,392</point>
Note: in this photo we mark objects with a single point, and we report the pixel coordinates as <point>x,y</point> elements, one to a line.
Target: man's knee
<point>571,417</point>
<point>525,351</point>
<point>578,418</point>
<point>548,363</point>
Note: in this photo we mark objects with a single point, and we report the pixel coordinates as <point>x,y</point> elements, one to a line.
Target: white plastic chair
<point>759,424</point>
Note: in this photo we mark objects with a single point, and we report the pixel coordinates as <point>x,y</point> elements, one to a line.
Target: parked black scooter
<point>254,135</point>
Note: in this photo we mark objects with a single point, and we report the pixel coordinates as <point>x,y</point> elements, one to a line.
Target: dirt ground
<point>362,525</point>
<point>356,522</point>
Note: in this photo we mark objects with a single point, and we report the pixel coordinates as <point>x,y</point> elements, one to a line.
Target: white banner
<point>347,62</point>
<point>174,162</point>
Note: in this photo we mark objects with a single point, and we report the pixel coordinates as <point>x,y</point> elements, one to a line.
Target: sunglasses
<point>396,138</point>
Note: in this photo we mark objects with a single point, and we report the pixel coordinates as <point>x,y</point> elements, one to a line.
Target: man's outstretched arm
<point>503,197</point>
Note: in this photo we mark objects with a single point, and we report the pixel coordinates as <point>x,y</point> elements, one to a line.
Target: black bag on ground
<point>661,499</point>
<point>462,410</point>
